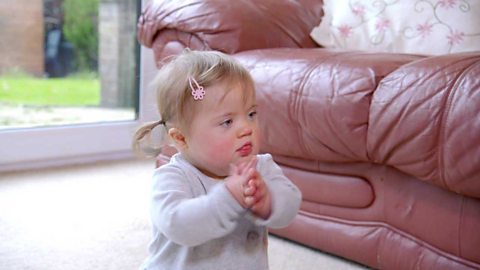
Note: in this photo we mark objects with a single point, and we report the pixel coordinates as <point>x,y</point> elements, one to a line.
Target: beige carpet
<point>96,217</point>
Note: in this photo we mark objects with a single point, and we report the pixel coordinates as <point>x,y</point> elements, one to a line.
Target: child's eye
<point>252,114</point>
<point>226,123</point>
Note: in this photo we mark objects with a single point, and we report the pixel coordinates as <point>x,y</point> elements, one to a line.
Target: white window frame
<point>33,148</point>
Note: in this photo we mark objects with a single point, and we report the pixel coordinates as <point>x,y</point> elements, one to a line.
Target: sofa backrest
<point>228,26</point>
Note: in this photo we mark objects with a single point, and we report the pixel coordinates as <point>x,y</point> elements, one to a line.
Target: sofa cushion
<point>317,101</point>
<point>407,26</point>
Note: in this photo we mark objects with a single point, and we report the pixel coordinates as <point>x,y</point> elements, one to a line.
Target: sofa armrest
<point>227,26</point>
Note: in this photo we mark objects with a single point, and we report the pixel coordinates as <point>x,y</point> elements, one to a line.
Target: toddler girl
<point>212,202</point>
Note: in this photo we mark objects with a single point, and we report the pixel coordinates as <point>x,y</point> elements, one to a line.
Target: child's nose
<point>246,129</point>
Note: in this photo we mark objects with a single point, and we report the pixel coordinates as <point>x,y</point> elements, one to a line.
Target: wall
<point>21,36</point>
<point>117,67</point>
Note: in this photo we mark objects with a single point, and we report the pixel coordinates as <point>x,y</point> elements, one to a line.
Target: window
<point>69,81</point>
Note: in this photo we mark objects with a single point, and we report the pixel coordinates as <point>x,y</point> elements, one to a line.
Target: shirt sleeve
<point>285,196</point>
<point>186,219</point>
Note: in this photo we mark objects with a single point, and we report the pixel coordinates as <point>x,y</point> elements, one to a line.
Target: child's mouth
<point>245,150</point>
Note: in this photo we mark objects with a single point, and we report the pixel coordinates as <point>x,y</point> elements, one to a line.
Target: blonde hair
<point>175,102</point>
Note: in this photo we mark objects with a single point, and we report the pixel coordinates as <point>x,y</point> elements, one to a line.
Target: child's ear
<point>178,138</point>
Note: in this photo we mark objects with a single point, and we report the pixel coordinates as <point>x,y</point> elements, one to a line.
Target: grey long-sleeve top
<point>197,224</point>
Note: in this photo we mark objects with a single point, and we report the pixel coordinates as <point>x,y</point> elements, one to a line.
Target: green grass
<point>76,90</point>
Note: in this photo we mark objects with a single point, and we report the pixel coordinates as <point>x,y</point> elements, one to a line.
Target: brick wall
<point>21,36</point>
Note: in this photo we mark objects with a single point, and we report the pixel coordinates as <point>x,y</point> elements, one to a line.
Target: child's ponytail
<point>142,140</point>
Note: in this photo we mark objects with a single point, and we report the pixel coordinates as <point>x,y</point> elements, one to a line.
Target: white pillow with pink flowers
<point>428,27</point>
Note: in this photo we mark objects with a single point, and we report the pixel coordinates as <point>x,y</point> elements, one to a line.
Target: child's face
<point>224,129</point>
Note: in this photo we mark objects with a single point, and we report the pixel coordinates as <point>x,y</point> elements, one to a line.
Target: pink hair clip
<point>197,91</point>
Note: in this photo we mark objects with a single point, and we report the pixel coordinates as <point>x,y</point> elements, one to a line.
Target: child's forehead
<point>227,96</point>
<point>227,90</point>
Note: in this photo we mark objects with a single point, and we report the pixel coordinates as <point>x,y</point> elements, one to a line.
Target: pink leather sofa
<point>384,147</point>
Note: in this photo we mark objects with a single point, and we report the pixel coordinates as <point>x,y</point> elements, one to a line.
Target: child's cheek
<point>220,152</point>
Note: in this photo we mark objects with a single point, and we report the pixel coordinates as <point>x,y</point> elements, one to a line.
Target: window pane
<point>67,62</point>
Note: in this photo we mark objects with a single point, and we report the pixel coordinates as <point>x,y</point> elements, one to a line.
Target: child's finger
<point>249,201</point>
<point>250,174</point>
<point>250,188</point>
<point>259,194</point>
<point>233,169</point>
<point>249,191</point>
<point>257,205</point>
<point>252,163</point>
<point>242,167</point>
<point>260,190</point>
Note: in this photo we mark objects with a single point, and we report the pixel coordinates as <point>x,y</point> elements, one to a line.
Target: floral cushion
<point>404,26</point>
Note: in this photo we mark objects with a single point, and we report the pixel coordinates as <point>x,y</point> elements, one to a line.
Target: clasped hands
<point>248,188</point>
